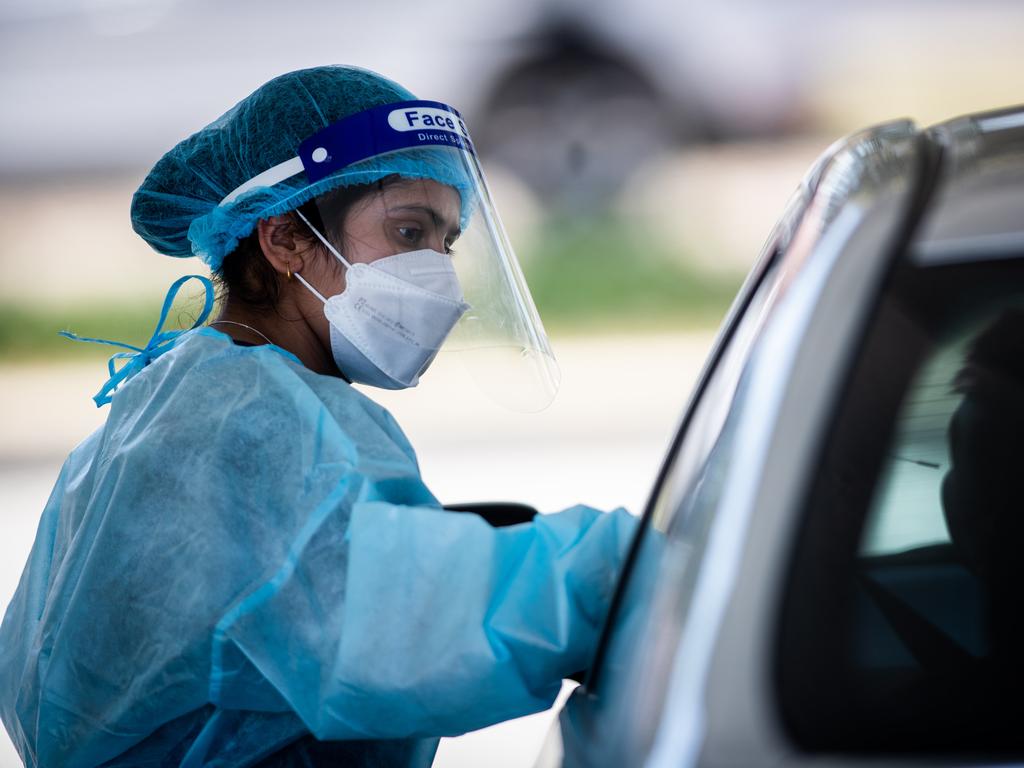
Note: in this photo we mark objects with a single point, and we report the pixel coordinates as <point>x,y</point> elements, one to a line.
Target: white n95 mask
<point>393,316</point>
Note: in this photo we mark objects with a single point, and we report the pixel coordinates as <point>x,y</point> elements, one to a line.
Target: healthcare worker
<point>243,565</point>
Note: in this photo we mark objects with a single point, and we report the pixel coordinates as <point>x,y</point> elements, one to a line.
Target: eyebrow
<point>438,219</point>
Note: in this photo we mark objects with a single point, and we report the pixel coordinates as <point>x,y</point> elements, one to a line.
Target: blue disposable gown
<point>245,554</point>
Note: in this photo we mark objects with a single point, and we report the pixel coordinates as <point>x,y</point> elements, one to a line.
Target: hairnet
<point>177,209</point>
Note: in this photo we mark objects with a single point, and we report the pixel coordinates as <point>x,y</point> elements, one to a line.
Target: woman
<point>243,565</point>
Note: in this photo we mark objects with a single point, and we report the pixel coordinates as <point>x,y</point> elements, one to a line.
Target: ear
<point>279,245</point>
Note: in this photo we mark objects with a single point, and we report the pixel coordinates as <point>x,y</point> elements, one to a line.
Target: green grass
<point>31,333</point>
<point>586,276</point>
<point>607,274</point>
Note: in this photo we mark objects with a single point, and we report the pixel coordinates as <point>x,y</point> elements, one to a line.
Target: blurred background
<point>639,153</point>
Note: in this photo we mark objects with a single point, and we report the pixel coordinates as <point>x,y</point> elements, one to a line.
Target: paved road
<point>600,443</point>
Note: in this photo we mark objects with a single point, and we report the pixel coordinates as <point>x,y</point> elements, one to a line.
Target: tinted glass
<point>903,627</point>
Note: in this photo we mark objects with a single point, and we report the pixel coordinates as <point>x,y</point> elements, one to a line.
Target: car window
<point>902,628</point>
<point>702,423</point>
<point>629,683</point>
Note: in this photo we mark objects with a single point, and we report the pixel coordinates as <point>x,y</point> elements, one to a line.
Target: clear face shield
<point>428,266</point>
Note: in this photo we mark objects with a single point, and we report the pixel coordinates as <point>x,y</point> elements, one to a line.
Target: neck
<point>285,326</point>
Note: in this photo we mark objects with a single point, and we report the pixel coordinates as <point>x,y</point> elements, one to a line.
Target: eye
<point>410,234</point>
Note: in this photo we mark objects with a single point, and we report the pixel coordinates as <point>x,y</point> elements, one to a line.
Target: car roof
<point>978,211</point>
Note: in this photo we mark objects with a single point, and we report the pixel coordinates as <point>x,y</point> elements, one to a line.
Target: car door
<point>647,700</point>
<point>900,628</point>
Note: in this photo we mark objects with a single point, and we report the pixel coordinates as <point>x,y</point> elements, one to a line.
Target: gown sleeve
<point>446,624</point>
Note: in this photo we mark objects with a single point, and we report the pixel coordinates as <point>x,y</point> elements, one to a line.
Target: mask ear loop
<point>329,247</point>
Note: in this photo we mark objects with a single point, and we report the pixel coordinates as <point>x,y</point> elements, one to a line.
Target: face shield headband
<point>389,128</point>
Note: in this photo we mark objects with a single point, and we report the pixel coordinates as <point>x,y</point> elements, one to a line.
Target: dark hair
<point>247,276</point>
<point>994,364</point>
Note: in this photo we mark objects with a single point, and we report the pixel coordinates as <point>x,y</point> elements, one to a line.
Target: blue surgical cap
<point>177,209</point>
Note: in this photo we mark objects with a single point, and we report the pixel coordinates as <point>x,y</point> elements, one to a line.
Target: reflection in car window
<point>675,499</point>
<point>631,679</point>
<point>902,628</point>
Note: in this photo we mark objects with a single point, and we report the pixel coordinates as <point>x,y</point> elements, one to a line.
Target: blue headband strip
<point>388,128</point>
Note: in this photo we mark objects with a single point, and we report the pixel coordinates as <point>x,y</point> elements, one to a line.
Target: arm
<point>446,624</point>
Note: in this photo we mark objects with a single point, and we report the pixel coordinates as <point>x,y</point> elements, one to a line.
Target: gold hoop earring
<point>289,268</point>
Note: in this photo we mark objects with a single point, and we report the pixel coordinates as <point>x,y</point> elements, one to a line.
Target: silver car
<point>829,569</point>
